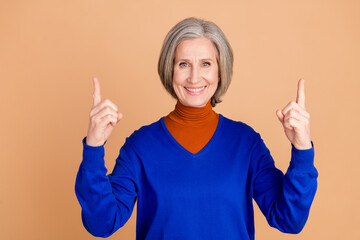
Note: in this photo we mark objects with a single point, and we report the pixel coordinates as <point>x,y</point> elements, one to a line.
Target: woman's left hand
<point>296,120</point>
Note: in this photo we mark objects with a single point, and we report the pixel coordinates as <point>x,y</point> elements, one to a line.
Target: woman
<point>194,172</point>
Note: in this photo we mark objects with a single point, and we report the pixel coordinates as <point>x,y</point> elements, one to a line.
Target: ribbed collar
<point>193,116</point>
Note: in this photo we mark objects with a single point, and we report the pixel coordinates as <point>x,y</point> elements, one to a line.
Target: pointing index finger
<point>300,99</point>
<point>97,95</point>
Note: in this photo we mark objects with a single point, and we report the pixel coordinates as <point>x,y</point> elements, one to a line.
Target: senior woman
<point>194,172</point>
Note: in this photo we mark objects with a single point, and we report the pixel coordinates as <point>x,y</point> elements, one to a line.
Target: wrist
<point>90,142</point>
<point>307,146</point>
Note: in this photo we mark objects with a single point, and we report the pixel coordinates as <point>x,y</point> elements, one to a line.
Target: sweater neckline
<point>204,149</point>
<point>192,116</point>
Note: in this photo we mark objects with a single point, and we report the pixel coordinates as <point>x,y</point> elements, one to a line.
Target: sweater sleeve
<point>285,200</point>
<point>107,201</point>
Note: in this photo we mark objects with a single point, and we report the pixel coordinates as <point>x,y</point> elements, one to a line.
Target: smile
<point>195,90</point>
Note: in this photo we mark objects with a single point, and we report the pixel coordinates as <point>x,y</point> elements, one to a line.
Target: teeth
<point>194,90</point>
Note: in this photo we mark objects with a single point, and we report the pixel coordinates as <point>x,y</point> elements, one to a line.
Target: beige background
<point>50,50</point>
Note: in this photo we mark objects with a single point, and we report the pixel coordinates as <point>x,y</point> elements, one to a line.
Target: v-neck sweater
<point>182,195</point>
<point>192,127</point>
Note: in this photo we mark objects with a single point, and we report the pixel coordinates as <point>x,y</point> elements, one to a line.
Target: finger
<point>291,123</point>
<point>120,116</point>
<point>290,106</point>
<point>294,107</point>
<point>297,116</point>
<point>97,95</point>
<point>104,104</point>
<point>280,115</point>
<point>104,112</point>
<point>292,114</point>
<point>109,119</point>
<point>104,121</point>
<point>296,121</point>
<point>300,98</point>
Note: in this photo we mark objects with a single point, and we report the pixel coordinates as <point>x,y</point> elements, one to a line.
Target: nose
<point>195,75</point>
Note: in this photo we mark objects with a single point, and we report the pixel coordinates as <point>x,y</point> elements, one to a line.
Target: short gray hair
<point>195,28</point>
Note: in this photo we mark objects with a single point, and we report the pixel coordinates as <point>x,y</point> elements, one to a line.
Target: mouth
<point>195,90</point>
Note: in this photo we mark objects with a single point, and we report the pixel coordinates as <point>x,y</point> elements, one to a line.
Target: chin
<point>195,103</point>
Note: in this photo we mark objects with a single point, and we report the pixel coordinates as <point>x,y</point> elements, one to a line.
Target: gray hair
<point>195,28</point>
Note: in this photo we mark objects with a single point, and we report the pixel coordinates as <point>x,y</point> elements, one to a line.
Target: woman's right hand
<point>104,116</point>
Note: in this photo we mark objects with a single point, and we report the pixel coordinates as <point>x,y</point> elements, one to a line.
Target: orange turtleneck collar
<point>192,127</point>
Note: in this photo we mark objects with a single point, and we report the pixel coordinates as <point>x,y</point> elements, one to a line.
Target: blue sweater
<point>207,195</point>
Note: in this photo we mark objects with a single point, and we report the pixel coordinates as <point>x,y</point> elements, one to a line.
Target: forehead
<point>196,47</point>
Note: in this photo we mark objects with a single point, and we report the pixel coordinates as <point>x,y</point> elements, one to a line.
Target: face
<point>196,74</point>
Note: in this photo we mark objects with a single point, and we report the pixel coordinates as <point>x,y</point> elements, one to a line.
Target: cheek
<point>176,81</point>
<point>213,77</point>
<point>179,77</point>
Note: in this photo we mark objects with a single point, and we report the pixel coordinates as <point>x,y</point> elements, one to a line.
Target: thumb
<point>119,117</point>
<point>280,115</point>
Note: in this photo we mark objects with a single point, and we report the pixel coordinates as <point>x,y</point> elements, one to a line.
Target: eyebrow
<point>187,60</point>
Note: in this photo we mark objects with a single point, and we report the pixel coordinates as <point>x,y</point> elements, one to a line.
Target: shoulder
<point>237,133</point>
<point>237,128</point>
<point>147,130</point>
<point>147,134</point>
<point>242,136</point>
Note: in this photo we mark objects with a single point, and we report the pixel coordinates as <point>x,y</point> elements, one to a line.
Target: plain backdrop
<point>50,50</point>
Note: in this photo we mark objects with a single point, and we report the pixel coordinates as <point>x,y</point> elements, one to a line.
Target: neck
<point>192,127</point>
<point>192,115</point>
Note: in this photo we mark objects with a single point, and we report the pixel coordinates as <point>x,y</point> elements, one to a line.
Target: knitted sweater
<point>192,127</point>
<point>207,195</point>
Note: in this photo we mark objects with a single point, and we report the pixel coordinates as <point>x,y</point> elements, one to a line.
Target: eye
<point>183,64</point>
<point>206,64</point>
